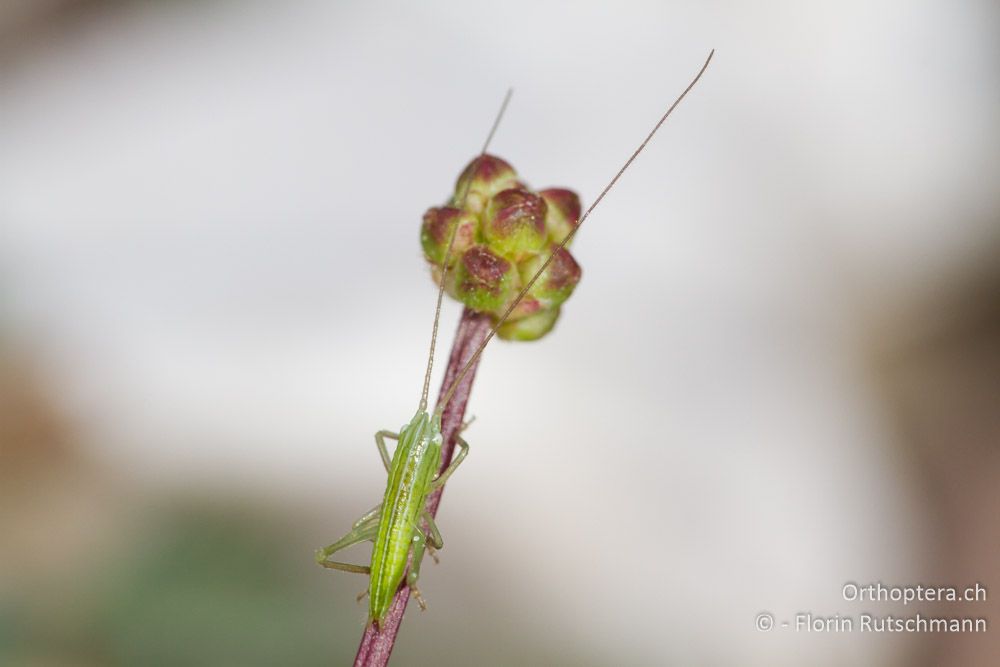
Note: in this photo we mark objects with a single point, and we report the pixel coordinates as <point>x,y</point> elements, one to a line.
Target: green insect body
<point>395,525</point>
<point>412,476</point>
<point>401,527</point>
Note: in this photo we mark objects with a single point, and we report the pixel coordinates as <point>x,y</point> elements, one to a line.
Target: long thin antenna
<point>451,242</point>
<point>569,237</point>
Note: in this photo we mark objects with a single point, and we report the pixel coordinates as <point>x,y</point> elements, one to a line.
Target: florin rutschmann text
<point>807,621</point>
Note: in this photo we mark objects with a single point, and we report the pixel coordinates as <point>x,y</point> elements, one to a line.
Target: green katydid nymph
<point>401,527</point>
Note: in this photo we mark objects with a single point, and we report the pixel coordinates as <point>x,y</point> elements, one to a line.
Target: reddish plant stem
<point>377,643</point>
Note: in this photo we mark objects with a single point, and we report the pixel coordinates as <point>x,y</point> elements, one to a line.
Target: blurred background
<point>780,373</point>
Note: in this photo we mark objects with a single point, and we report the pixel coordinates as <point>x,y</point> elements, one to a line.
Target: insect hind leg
<point>345,567</point>
<point>419,544</point>
<point>372,514</point>
<point>364,529</point>
<point>434,540</point>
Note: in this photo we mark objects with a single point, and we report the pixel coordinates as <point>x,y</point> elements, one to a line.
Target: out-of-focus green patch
<point>201,586</point>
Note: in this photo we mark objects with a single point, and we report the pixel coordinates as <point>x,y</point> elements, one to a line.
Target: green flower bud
<point>485,176</point>
<point>563,212</point>
<point>528,306</point>
<point>439,225</point>
<point>503,233</point>
<point>514,225</point>
<point>557,281</point>
<point>531,327</point>
<point>483,280</point>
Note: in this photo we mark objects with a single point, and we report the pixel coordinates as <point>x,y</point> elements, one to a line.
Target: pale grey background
<point>208,231</point>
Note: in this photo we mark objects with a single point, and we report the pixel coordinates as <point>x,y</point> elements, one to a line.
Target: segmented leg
<point>423,541</point>
<point>373,513</point>
<point>434,539</point>
<point>344,567</point>
<point>382,449</point>
<point>419,544</point>
<point>463,447</point>
<point>364,529</point>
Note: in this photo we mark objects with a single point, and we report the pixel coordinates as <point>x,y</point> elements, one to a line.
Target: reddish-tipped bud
<point>514,225</point>
<point>556,282</point>
<point>502,235</point>
<point>563,212</point>
<point>439,225</point>
<point>485,176</point>
<point>528,306</point>
<point>531,327</point>
<point>484,280</point>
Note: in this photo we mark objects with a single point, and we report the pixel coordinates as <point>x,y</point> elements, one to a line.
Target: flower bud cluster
<point>502,236</point>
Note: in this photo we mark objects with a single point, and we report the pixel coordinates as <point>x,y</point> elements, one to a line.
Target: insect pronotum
<point>396,524</point>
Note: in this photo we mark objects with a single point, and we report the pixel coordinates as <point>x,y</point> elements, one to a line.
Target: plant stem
<point>377,643</point>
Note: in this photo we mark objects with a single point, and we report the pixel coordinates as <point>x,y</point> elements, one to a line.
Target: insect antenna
<point>451,243</point>
<point>562,244</point>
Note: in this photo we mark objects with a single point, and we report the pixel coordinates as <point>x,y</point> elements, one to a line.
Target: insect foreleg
<point>443,477</point>
<point>382,449</point>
